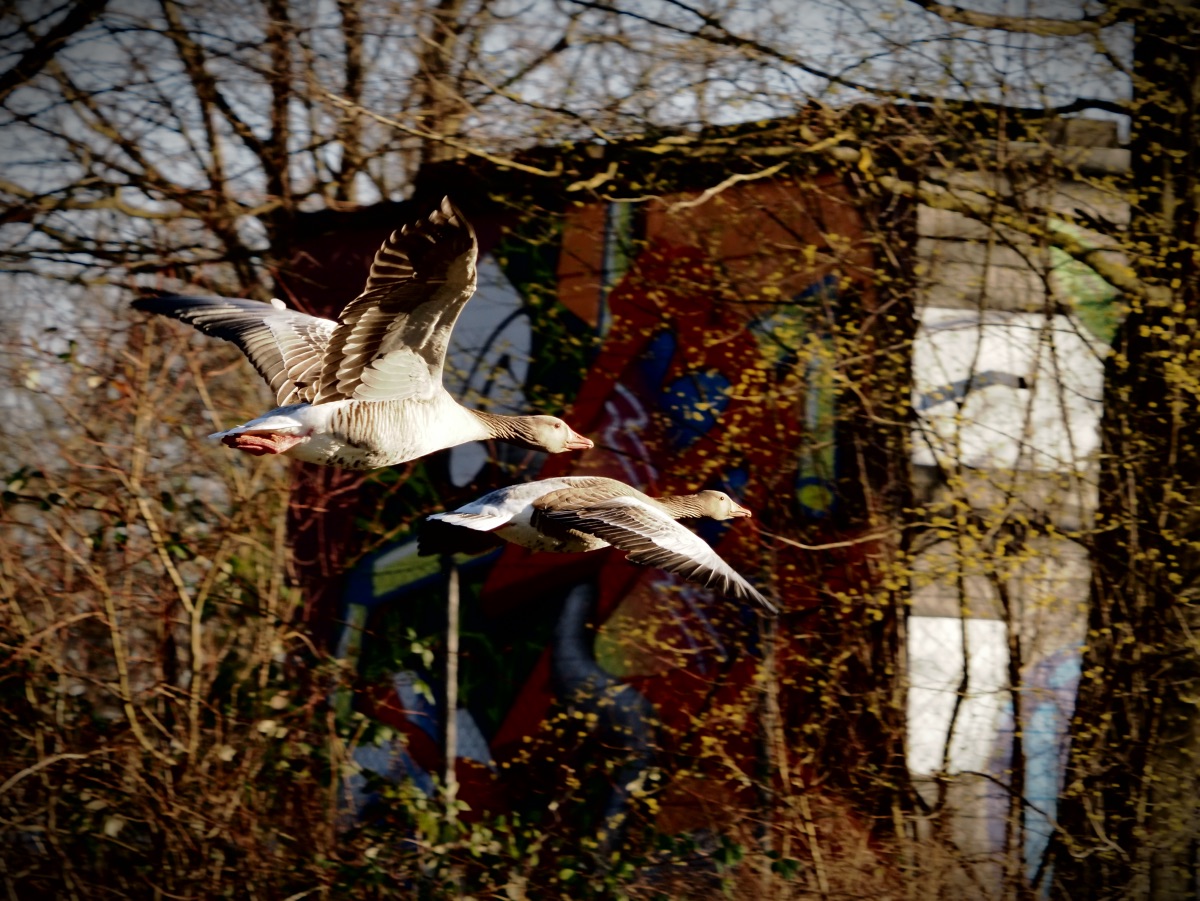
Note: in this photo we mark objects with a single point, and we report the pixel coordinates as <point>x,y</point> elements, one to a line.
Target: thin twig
<point>506,162</point>
<point>852,542</point>
<point>710,193</point>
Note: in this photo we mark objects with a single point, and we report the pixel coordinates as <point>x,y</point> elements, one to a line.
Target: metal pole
<point>450,714</point>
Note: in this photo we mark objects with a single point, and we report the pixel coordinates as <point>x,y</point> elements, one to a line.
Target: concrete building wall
<point>1008,371</point>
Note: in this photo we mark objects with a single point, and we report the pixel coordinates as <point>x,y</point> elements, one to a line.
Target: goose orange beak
<point>575,441</point>
<point>739,510</point>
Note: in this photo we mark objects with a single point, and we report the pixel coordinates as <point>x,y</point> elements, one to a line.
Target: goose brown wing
<point>285,346</point>
<point>586,492</point>
<point>652,538</point>
<point>390,341</point>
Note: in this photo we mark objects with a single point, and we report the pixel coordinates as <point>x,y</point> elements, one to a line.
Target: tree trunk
<point>441,109</point>
<point>1132,796</point>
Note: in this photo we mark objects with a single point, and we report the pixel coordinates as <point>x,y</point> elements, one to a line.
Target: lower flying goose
<point>586,513</point>
<point>366,391</point>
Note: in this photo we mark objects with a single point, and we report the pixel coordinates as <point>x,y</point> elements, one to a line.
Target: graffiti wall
<point>692,344</point>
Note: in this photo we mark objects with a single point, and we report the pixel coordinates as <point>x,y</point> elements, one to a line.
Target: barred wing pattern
<point>390,342</point>
<point>652,538</point>
<point>285,346</point>
<point>585,492</point>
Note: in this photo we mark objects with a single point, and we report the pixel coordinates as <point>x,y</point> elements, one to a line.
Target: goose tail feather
<point>438,536</point>
<point>283,421</point>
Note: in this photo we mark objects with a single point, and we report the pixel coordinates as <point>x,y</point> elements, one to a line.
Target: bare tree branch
<point>714,31</point>
<point>709,193</point>
<point>204,83</point>
<point>462,146</point>
<point>352,151</point>
<point>79,15</point>
<point>1039,25</point>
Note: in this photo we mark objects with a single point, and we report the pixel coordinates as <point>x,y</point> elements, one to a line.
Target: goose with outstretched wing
<point>586,513</point>
<point>366,390</point>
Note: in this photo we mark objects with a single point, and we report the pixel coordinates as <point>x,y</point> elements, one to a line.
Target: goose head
<point>549,434</point>
<point>719,505</point>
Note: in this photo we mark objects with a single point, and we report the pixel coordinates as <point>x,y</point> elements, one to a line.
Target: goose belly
<point>336,450</point>
<point>519,530</point>
<point>372,434</point>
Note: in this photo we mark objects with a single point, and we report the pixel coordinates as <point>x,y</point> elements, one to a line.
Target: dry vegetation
<point>172,719</point>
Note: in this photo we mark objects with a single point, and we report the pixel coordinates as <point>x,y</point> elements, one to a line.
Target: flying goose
<point>586,513</point>
<point>366,391</point>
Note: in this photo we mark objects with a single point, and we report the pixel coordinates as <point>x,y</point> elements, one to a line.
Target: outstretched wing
<point>390,341</point>
<point>285,346</point>
<point>652,538</point>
